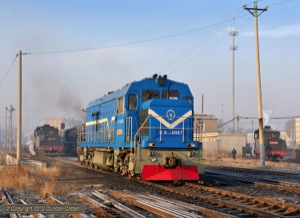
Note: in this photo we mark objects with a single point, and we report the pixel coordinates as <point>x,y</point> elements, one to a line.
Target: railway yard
<point>223,191</point>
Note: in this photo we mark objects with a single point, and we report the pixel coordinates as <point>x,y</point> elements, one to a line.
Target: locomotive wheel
<point>131,174</point>
<point>91,165</point>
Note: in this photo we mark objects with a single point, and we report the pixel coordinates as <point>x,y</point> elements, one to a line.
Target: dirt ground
<point>253,163</point>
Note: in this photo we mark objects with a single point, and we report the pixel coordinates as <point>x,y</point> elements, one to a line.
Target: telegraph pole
<point>19,126</point>
<point>10,110</point>
<point>6,141</point>
<point>255,11</point>
<point>233,47</point>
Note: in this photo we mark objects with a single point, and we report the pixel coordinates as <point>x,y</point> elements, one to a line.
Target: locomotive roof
<point>137,86</point>
<point>267,129</point>
<point>46,126</point>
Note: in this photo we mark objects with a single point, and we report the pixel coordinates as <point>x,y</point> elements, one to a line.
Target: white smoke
<point>267,116</point>
<point>31,147</point>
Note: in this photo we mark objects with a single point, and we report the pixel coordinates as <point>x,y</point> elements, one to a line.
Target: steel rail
<point>239,202</point>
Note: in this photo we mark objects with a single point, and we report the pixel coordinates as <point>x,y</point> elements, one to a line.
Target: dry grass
<point>34,181</point>
<point>2,157</point>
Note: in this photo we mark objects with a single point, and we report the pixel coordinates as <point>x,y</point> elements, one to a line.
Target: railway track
<point>292,177</point>
<point>100,209</point>
<point>201,200</point>
<point>256,180</point>
<point>237,204</point>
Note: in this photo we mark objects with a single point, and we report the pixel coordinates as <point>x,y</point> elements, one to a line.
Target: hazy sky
<point>79,50</point>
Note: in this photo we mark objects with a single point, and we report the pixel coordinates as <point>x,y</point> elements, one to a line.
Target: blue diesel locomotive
<point>145,129</point>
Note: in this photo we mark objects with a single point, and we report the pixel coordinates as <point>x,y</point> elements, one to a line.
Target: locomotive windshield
<point>149,94</point>
<point>170,94</point>
<point>132,102</point>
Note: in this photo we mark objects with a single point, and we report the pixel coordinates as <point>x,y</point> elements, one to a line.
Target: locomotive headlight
<point>151,144</point>
<point>191,144</point>
<point>153,159</point>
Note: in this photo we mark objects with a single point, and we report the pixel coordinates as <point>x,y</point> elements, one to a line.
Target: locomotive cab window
<point>132,102</point>
<point>170,94</point>
<point>120,105</point>
<point>149,94</point>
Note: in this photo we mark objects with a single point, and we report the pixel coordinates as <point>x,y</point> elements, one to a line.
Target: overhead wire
<point>254,118</point>
<point>202,41</point>
<point>124,44</point>
<point>171,63</point>
<point>274,118</point>
<point>7,72</point>
<point>186,52</point>
<point>282,2</point>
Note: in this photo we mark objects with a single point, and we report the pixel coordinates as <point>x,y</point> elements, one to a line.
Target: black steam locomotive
<point>275,146</point>
<point>70,141</point>
<point>47,140</point>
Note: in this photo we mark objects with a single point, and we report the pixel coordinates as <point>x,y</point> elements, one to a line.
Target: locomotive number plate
<point>170,132</point>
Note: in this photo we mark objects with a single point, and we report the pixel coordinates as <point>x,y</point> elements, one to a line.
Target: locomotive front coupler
<point>172,161</point>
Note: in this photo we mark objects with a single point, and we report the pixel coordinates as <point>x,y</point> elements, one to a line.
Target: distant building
<point>284,136</point>
<point>206,127</point>
<point>214,143</point>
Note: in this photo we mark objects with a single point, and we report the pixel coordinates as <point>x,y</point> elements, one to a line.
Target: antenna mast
<point>233,47</point>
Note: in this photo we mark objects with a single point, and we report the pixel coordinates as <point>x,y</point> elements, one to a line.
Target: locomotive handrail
<point>183,131</point>
<point>135,150</point>
<point>160,131</point>
<point>129,128</point>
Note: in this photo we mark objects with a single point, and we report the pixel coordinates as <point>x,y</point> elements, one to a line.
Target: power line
<point>199,42</point>
<point>238,118</point>
<point>8,70</point>
<point>205,38</point>
<point>196,56</point>
<point>186,52</point>
<point>282,2</point>
<point>124,44</point>
<point>271,118</point>
<point>127,43</point>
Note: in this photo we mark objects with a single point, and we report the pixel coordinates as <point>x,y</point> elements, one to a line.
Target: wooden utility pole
<point>6,135</point>
<point>254,11</point>
<point>19,126</point>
